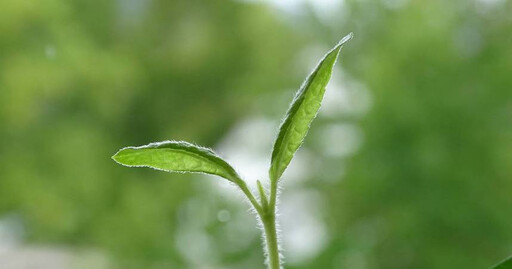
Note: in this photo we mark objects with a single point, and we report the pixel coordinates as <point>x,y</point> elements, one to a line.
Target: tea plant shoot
<point>184,157</point>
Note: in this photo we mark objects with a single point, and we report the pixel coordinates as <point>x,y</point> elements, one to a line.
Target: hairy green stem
<point>273,195</point>
<point>241,184</point>
<point>267,213</point>
<point>269,224</point>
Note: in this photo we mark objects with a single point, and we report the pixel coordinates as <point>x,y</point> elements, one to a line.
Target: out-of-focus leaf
<point>176,156</point>
<point>302,111</point>
<point>506,264</point>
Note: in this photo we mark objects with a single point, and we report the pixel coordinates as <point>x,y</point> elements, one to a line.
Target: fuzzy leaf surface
<point>506,264</point>
<point>176,156</point>
<point>302,112</point>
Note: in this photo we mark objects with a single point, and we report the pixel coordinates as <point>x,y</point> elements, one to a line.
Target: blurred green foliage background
<point>409,165</point>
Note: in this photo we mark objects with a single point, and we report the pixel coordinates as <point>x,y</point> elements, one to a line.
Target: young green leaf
<point>506,264</point>
<point>302,111</point>
<point>177,156</point>
<point>263,195</point>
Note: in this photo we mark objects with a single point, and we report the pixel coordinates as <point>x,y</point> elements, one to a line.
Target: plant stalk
<point>267,213</point>
<point>269,224</point>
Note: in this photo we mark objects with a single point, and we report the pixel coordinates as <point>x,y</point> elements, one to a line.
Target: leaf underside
<point>176,156</point>
<point>507,264</point>
<point>302,111</point>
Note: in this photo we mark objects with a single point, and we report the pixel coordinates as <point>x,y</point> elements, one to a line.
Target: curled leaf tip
<point>346,38</point>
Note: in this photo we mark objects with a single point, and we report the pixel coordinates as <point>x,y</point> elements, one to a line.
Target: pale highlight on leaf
<point>302,111</point>
<point>506,264</point>
<point>176,156</point>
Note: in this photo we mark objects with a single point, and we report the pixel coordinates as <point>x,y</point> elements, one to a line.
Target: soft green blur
<point>409,165</point>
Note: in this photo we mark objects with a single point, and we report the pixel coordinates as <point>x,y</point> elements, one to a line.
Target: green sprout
<point>184,157</point>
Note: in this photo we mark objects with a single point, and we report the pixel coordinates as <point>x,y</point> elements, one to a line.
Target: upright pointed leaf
<point>506,264</point>
<point>176,156</point>
<point>302,111</point>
